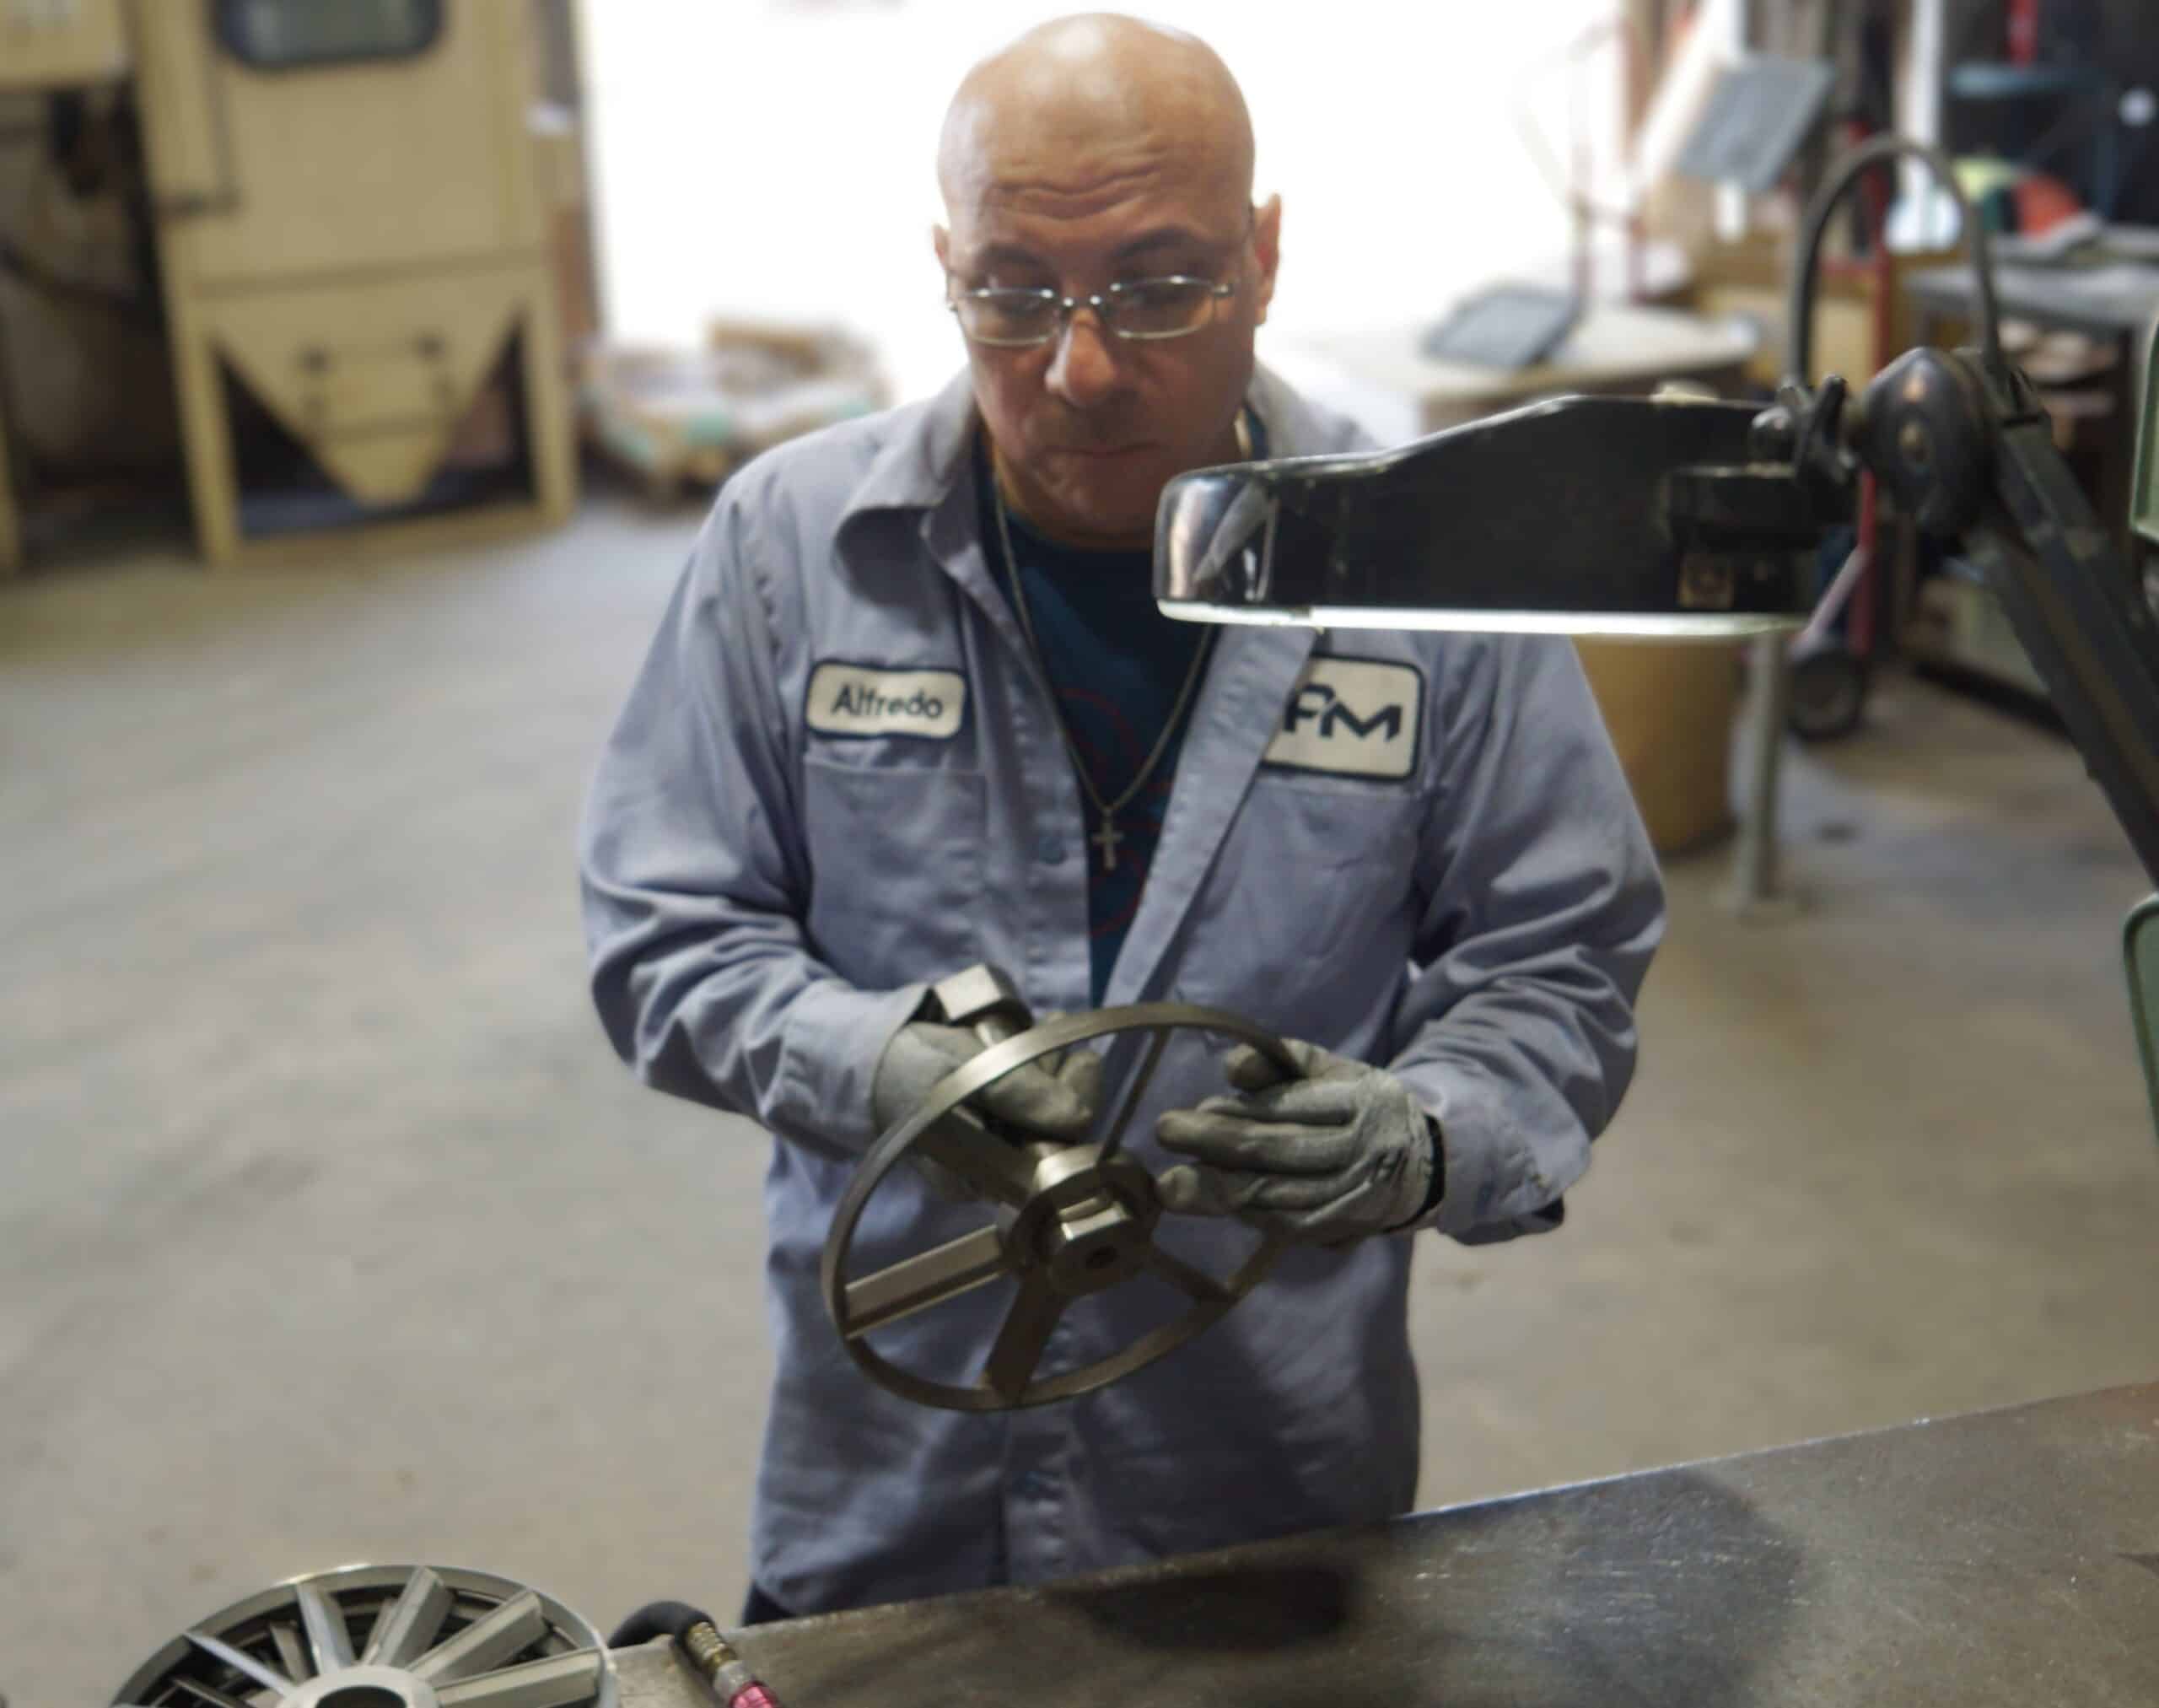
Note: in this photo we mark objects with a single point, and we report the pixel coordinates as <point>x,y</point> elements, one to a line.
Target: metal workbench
<point>2011,1557</point>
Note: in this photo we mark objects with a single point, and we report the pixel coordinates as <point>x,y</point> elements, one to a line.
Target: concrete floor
<point>331,1230</point>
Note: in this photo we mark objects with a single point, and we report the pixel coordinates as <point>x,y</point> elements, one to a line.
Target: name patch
<point>848,699</point>
<point>1352,717</point>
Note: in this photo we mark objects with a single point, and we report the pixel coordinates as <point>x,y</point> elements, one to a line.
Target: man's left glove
<point>1052,1098</point>
<point>1343,1152</point>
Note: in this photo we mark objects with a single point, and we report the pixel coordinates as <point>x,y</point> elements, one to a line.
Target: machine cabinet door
<point>50,45</point>
<point>297,140</point>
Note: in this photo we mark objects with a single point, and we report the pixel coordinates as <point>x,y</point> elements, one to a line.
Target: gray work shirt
<point>837,777</point>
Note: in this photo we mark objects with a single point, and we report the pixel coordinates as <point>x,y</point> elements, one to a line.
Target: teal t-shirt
<point>1116,665</point>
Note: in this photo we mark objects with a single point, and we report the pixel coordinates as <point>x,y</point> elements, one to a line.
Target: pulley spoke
<point>210,1697</point>
<point>1196,1284</point>
<point>1019,1342</point>
<point>1137,1091</point>
<point>326,1635</point>
<point>409,1625</point>
<point>560,1681</point>
<point>486,1643</point>
<point>269,1677</point>
<point>916,1283</point>
<point>290,1655</point>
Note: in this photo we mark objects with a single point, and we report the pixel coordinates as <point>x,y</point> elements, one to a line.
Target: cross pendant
<point>1106,837</point>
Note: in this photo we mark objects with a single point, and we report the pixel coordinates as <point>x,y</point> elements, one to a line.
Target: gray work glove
<point>1051,1098</point>
<point>1343,1152</point>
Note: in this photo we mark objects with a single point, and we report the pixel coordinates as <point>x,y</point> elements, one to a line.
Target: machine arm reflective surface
<point>1681,518</point>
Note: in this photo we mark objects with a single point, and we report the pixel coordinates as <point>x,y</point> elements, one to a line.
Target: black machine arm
<point>1675,517</point>
<point>1680,517</point>
<point>1968,449</point>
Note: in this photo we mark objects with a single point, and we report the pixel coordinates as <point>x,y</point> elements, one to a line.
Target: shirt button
<point>1050,851</point>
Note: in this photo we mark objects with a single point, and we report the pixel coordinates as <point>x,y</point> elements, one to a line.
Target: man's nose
<point>1084,370</point>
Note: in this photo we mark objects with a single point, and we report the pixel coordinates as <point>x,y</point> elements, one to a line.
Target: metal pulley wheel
<point>382,1637</point>
<point>1081,1220</point>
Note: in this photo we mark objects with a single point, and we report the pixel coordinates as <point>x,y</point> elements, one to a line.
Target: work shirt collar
<point>928,469</point>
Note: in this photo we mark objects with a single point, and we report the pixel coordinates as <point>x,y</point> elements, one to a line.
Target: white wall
<point>756,157</point>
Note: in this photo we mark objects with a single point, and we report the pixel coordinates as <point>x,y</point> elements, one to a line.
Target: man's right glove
<point>1052,1098</point>
<point>1343,1152</point>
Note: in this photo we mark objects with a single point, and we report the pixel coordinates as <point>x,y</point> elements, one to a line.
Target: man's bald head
<point>1026,115</point>
<point>1104,166</point>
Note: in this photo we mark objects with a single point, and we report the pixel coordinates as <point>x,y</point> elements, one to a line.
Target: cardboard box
<point>1668,706</point>
<point>672,418</point>
<point>1753,278</point>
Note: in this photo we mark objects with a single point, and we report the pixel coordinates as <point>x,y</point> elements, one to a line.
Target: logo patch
<point>1352,717</point>
<point>848,699</point>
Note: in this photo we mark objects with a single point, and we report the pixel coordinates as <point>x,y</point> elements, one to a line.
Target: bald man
<point>912,709</point>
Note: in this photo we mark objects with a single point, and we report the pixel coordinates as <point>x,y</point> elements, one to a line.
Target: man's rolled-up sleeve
<point>1542,906</point>
<point>696,881</point>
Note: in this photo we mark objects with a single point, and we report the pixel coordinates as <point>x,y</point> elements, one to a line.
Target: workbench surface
<point>2009,1557</point>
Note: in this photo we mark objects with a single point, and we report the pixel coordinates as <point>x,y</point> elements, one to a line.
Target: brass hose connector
<point>732,1680</point>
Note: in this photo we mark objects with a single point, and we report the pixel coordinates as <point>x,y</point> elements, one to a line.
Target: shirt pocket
<point>896,872</point>
<point>1307,922</point>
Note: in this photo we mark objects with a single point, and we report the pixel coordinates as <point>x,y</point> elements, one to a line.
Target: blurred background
<point>366,367</point>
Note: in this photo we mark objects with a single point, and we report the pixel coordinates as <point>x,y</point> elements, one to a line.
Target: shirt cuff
<point>834,1037</point>
<point>1491,1183</point>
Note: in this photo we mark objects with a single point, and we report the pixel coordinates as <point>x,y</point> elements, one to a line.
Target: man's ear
<point>1266,247</point>
<point>940,239</point>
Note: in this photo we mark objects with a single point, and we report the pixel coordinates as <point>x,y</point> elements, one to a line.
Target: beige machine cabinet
<point>52,43</point>
<point>48,43</point>
<point>350,223</point>
<point>11,536</point>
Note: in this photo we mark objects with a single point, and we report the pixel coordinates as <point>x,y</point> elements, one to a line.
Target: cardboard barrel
<point>1669,707</point>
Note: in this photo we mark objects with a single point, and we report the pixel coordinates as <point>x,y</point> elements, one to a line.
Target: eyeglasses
<point>1146,308</point>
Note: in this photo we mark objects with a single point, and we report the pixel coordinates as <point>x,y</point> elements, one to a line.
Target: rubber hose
<point>659,1618</point>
